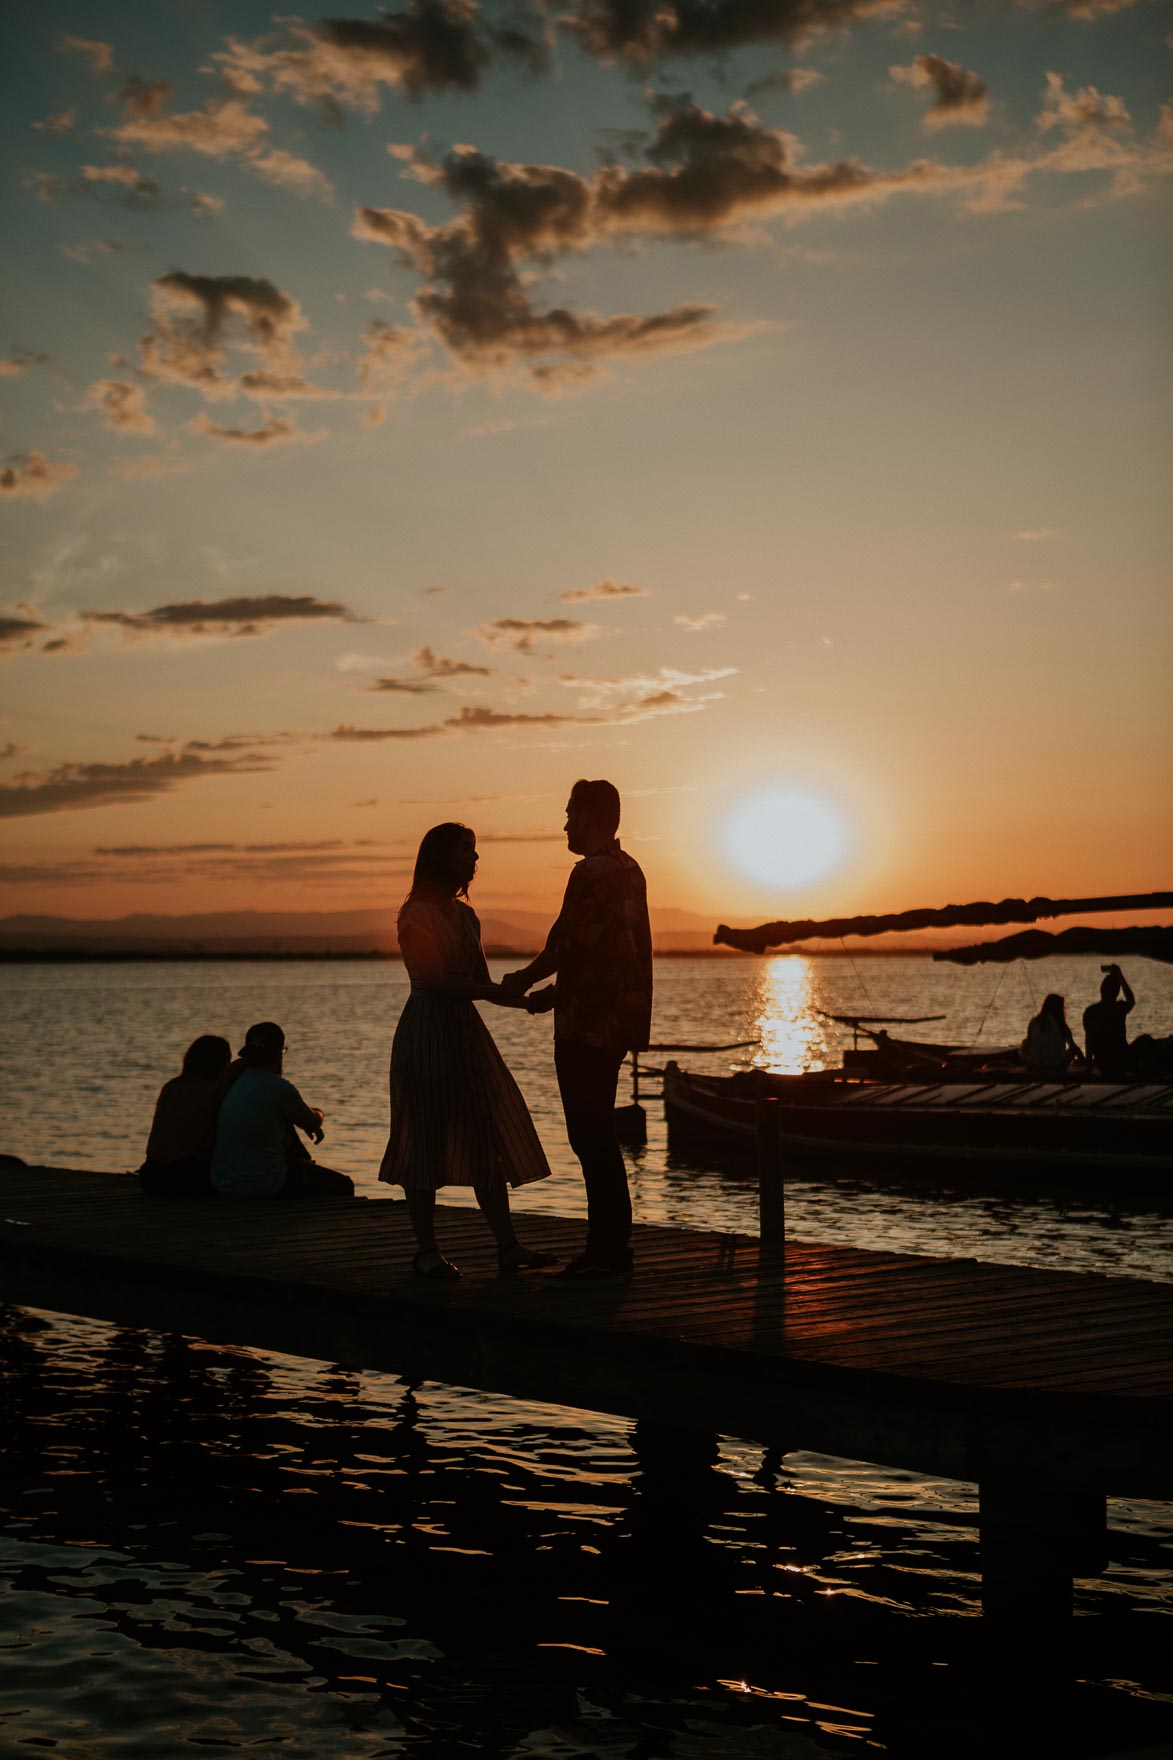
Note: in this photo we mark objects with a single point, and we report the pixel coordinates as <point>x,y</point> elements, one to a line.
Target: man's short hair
<point>601,801</point>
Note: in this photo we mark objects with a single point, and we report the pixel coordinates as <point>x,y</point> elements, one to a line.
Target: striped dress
<point>457,1115</point>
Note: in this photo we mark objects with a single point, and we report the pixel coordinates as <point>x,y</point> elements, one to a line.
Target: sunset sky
<point>405,413</point>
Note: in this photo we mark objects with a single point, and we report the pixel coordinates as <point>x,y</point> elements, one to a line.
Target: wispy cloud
<point>72,786</point>
<point>522,633</point>
<point>218,617</point>
<point>20,360</point>
<point>32,474</point>
<point>958,94</point>
<point>604,589</point>
<point>277,431</point>
<point>703,620</point>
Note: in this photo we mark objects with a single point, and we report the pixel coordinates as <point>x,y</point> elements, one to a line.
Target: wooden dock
<point>1051,1390</point>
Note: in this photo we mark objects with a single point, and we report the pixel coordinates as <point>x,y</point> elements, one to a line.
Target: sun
<point>785,837</point>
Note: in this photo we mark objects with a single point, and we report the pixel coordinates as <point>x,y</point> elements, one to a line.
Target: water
<point>206,1550</point>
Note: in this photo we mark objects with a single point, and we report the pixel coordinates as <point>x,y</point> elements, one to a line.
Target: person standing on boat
<point>601,949</point>
<point>1104,1032</point>
<point>1049,1047</point>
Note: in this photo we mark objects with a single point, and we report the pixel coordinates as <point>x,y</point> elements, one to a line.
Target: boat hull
<point>1070,1134</point>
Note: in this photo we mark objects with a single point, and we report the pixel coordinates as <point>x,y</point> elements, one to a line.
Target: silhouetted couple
<point>457,1115</point>
<point>232,1126</point>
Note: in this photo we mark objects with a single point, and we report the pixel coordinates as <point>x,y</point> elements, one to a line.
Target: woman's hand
<point>542,1001</point>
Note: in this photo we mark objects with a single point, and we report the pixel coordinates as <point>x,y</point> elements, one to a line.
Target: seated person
<point>1104,1035</point>
<point>183,1130</point>
<point>1049,1046</point>
<point>257,1153</point>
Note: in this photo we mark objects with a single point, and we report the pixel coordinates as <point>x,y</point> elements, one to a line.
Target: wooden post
<point>635,1076</point>
<point>771,1192</point>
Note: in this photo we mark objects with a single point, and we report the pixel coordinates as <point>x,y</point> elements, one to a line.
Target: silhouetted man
<point>601,949</point>
<point>1104,1032</point>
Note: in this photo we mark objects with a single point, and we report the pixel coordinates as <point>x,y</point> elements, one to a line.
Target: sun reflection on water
<point>792,1038</point>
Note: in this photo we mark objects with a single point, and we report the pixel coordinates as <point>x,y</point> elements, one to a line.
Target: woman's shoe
<point>518,1258</point>
<point>443,1271</point>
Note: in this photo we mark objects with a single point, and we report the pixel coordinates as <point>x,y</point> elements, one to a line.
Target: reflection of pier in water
<point>963,1370</point>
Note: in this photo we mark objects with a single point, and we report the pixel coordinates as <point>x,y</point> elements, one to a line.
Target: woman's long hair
<point>208,1056</point>
<point>1052,1009</point>
<point>434,879</point>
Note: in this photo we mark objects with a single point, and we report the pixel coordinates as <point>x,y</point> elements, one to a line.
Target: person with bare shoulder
<point>183,1130</point>
<point>601,949</point>
<point>458,1117</point>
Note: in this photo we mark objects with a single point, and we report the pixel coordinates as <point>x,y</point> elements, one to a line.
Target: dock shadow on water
<point>212,1551</point>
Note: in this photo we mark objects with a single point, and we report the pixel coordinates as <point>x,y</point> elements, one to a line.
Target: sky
<point>764,404</point>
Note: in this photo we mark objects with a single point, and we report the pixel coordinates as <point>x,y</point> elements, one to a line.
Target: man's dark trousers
<point>587,1079</point>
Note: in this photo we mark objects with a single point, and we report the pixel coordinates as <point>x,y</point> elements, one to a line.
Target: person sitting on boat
<point>183,1130</point>
<point>257,1153</point>
<point>1049,1047</point>
<point>1104,1033</point>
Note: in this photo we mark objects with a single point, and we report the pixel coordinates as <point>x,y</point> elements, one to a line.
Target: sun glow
<point>785,837</point>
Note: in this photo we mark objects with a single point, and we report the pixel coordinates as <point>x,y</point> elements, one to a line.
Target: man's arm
<point>544,964</point>
<point>1128,998</point>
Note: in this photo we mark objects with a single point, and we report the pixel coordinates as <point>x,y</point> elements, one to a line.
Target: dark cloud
<point>20,628</point>
<point>643,31</point>
<point>237,616</point>
<point>277,431</point>
<point>435,665</point>
<point>118,186</point>
<point>198,317</point>
<point>426,46</point>
<point>72,786</point>
<point>266,387</point>
<point>20,360</point>
<point>409,687</point>
<point>143,98</point>
<point>363,735</point>
<point>478,715</point>
<point>32,474</point>
<point>522,632</point>
<point>958,94</point>
<point>605,589</point>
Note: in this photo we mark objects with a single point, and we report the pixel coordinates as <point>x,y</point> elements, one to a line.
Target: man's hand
<point>542,1001</point>
<point>318,1131</point>
<point>515,983</point>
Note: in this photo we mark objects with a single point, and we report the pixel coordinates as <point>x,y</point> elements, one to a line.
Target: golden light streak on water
<point>791,1036</point>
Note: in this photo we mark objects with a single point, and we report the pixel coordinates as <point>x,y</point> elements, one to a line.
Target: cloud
<point>223,128</point>
<point>704,620</point>
<point>432,666</point>
<point>522,632</point>
<point>289,172</point>
<point>1038,535</point>
<point>362,735</point>
<point>427,46</point>
<point>99,55</point>
<point>10,749</point>
<point>958,94</point>
<point>32,474</point>
<point>120,186</point>
<point>20,360</point>
<point>197,318</point>
<point>59,122</point>
<point>72,786</point>
<point>20,628</point>
<point>605,589</point>
<point>1087,111</point>
<point>142,99</point>
<point>389,351</point>
<point>277,431</point>
<point>475,716</point>
<point>265,387</point>
<point>123,406</point>
<point>435,665</point>
<point>643,31</point>
<point>149,465</point>
<point>218,617</point>
<point>1030,586</point>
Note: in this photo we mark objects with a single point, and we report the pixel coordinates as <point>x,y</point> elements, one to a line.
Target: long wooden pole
<point>950,916</point>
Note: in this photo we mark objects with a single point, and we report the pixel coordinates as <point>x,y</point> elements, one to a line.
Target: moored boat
<point>1074,1133</point>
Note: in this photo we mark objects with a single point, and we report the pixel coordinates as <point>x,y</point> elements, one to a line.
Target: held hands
<point>515,984</point>
<point>541,1002</point>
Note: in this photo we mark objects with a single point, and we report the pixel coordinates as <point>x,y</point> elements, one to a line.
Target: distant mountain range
<point>240,933</point>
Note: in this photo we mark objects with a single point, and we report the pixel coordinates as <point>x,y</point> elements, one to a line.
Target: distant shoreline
<point>124,956</point>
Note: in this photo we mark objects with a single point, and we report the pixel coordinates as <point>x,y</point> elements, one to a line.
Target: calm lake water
<point>212,1551</point>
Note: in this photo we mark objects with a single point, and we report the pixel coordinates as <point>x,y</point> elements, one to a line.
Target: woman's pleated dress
<point>457,1115</point>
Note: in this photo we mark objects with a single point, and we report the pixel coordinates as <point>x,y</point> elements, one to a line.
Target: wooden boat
<point>1074,1132</point>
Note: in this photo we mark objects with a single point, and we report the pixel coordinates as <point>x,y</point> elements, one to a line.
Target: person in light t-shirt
<point>257,1153</point>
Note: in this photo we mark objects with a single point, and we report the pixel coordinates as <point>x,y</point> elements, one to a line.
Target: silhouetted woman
<point>183,1130</point>
<point>1049,1047</point>
<point>457,1115</point>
